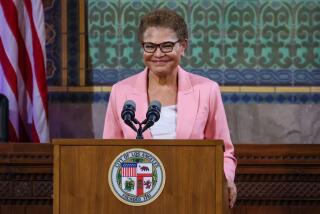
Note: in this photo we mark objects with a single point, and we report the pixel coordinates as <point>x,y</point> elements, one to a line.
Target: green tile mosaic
<point>223,34</point>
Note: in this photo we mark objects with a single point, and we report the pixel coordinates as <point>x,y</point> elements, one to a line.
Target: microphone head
<point>154,111</point>
<point>128,111</point>
<point>129,104</point>
<point>156,103</point>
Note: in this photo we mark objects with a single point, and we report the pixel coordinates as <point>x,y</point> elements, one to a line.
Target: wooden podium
<point>194,177</point>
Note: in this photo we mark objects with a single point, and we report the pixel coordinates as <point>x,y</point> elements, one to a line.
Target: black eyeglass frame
<point>159,46</point>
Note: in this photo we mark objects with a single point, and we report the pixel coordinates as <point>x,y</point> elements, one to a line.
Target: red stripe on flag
<point>129,171</point>
<point>11,15</point>
<point>39,58</point>
<point>35,136</point>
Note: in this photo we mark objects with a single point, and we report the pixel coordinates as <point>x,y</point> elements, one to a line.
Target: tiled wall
<point>263,54</point>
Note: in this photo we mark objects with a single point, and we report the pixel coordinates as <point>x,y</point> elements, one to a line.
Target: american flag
<point>22,69</point>
<point>129,169</point>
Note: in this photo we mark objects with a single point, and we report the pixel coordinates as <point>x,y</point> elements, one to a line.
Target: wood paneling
<point>26,178</point>
<point>84,167</point>
<point>270,179</point>
<point>278,179</point>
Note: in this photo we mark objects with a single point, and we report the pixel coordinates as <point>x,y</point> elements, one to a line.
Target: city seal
<point>136,177</point>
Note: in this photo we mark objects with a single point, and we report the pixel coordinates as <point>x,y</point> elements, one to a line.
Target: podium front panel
<point>193,178</point>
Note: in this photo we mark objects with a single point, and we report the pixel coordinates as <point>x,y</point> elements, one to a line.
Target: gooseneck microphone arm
<point>152,116</point>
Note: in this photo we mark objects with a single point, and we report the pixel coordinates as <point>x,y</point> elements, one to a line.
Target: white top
<point>165,127</point>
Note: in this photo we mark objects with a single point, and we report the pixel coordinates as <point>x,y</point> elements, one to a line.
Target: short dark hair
<point>163,18</point>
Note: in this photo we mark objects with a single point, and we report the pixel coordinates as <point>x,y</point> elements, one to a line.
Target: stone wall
<point>248,123</point>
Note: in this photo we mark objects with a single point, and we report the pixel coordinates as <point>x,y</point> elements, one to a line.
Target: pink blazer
<point>200,112</point>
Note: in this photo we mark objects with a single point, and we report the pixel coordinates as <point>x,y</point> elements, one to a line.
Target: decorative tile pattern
<point>276,98</point>
<point>250,42</point>
<point>228,98</point>
<point>233,42</point>
<point>53,49</point>
<point>73,42</point>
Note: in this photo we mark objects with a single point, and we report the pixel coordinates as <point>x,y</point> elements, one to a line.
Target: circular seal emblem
<point>136,177</point>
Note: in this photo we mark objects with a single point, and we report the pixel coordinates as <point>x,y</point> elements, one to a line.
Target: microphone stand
<point>139,131</point>
<point>153,115</point>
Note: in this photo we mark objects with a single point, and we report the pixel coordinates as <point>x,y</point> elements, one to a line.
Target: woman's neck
<point>165,80</point>
<point>163,88</point>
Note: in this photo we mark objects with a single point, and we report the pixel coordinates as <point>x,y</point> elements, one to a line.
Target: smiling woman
<point>163,66</point>
<point>192,105</point>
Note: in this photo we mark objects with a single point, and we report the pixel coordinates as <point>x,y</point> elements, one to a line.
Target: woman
<point>192,107</point>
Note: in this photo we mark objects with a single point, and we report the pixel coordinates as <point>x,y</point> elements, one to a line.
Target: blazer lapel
<point>187,106</point>
<point>187,103</point>
<point>140,96</point>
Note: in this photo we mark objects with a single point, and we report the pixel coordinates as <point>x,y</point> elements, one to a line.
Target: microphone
<point>128,113</point>
<point>153,114</point>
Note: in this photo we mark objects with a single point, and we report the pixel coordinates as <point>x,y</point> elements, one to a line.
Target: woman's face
<point>163,64</point>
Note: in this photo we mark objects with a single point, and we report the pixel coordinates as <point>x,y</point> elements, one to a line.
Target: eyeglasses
<point>165,47</point>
